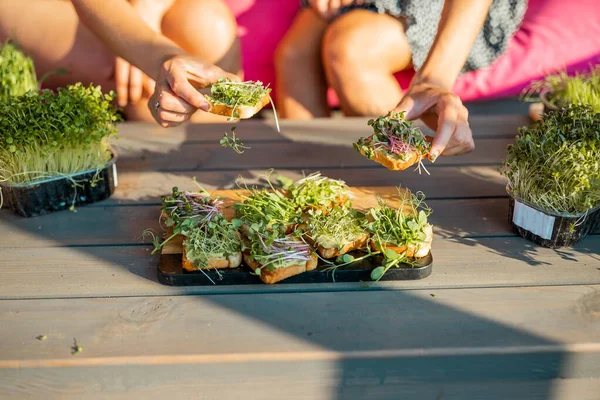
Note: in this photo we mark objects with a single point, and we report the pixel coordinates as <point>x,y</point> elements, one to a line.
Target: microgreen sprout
<point>559,90</point>
<point>273,252</point>
<point>233,142</point>
<point>395,137</point>
<point>336,228</point>
<point>555,163</point>
<point>218,238</point>
<point>17,73</point>
<point>316,191</point>
<point>49,134</point>
<point>264,209</point>
<point>183,211</point>
<point>402,226</point>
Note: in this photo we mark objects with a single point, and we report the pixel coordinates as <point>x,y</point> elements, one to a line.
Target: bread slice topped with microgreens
<point>182,211</point>
<point>275,257</point>
<point>266,210</point>
<point>404,230</point>
<point>238,99</point>
<point>317,192</point>
<point>396,143</point>
<point>337,232</point>
<point>214,245</point>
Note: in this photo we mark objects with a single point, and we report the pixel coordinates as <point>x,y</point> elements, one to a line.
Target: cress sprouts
<point>182,211</point>
<point>402,226</point>
<point>55,133</point>
<point>559,90</point>
<point>316,191</point>
<point>336,228</point>
<point>277,252</point>
<point>395,137</point>
<point>555,163</point>
<point>233,142</point>
<point>17,73</point>
<point>267,210</point>
<point>216,239</point>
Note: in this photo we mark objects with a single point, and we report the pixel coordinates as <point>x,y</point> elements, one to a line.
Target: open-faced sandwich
<point>274,257</point>
<point>267,210</point>
<point>238,99</point>
<point>316,192</point>
<point>396,143</point>
<point>403,230</point>
<point>214,245</point>
<point>337,232</point>
<point>182,211</point>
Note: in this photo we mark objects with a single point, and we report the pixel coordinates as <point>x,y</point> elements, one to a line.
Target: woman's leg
<point>204,28</point>
<point>49,31</point>
<point>361,52</point>
<point>301,85</point>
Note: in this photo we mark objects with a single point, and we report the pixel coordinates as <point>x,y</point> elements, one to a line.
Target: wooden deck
<point>499,318</point>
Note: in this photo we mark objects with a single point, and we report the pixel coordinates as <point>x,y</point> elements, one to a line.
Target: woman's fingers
<point>462,139</point>
<point>122,81</point>
<point>447,112</point>
<point>136,88</point>
<point>168,101</point>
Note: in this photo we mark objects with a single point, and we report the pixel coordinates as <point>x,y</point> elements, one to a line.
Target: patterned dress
<point>423,16</point>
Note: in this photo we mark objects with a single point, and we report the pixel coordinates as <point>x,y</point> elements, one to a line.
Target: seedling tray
<point>170,272</point>
<point>60,193</point>
<point>550,229</point>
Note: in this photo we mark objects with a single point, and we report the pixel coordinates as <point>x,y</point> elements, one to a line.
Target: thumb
<point>409,107</point>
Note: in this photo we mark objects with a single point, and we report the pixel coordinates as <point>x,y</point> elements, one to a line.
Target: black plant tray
<point>170,272</point>
<point>566,229</point>
<point>60,193</point>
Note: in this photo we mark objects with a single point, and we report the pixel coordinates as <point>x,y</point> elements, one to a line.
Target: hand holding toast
<point>442,111</point>
<point>176,97</point>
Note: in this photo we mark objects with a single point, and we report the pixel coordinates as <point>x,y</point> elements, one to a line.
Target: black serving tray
<point>170,272</point>
<point>60,193</point>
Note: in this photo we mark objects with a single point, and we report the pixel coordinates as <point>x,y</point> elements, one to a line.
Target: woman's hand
<point>175,97</point>
<point>328,9</point>
<point>130,83</point>
<point>442,111</point>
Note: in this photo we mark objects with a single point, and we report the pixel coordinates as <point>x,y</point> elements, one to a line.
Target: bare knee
<point>202,27</point>
<point>342,50</point>
<point>290,55</point>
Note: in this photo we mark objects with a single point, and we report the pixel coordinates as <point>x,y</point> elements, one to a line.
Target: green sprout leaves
<point>17,73</point>
<point>50,133</point>
<point>555,163</point>
<point>233,142</point>
<point>237,94</point>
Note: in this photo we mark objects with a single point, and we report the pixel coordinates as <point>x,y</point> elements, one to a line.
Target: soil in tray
<point>170,272</point>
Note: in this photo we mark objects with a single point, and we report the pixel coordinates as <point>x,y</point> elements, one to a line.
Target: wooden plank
<point>280,326</point>
<point>451,218</point>
<point>316,380</point>
<point>447,182</point>
<point>105,271</point>
<point>259,130</point>
<point>458,344</point>
<point>191,157</point>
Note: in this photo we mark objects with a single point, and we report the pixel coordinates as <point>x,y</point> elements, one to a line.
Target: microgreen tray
<point>170,272</point>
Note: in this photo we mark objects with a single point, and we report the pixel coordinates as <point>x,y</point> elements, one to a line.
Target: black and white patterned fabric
<point>423,16</point>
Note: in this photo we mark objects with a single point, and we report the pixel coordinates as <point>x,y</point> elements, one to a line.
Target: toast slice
<point>332,252</point>
<point>414,251</point>
<point>232,261</point>
<point>387,160</point>
<point>241,112</point>
<point>279,274</point>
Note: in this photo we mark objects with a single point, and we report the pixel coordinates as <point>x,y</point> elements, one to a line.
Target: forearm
<point>122,30</point>
<point>459,25</point>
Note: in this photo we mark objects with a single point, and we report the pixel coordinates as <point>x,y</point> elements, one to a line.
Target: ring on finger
<point>156,105</point>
